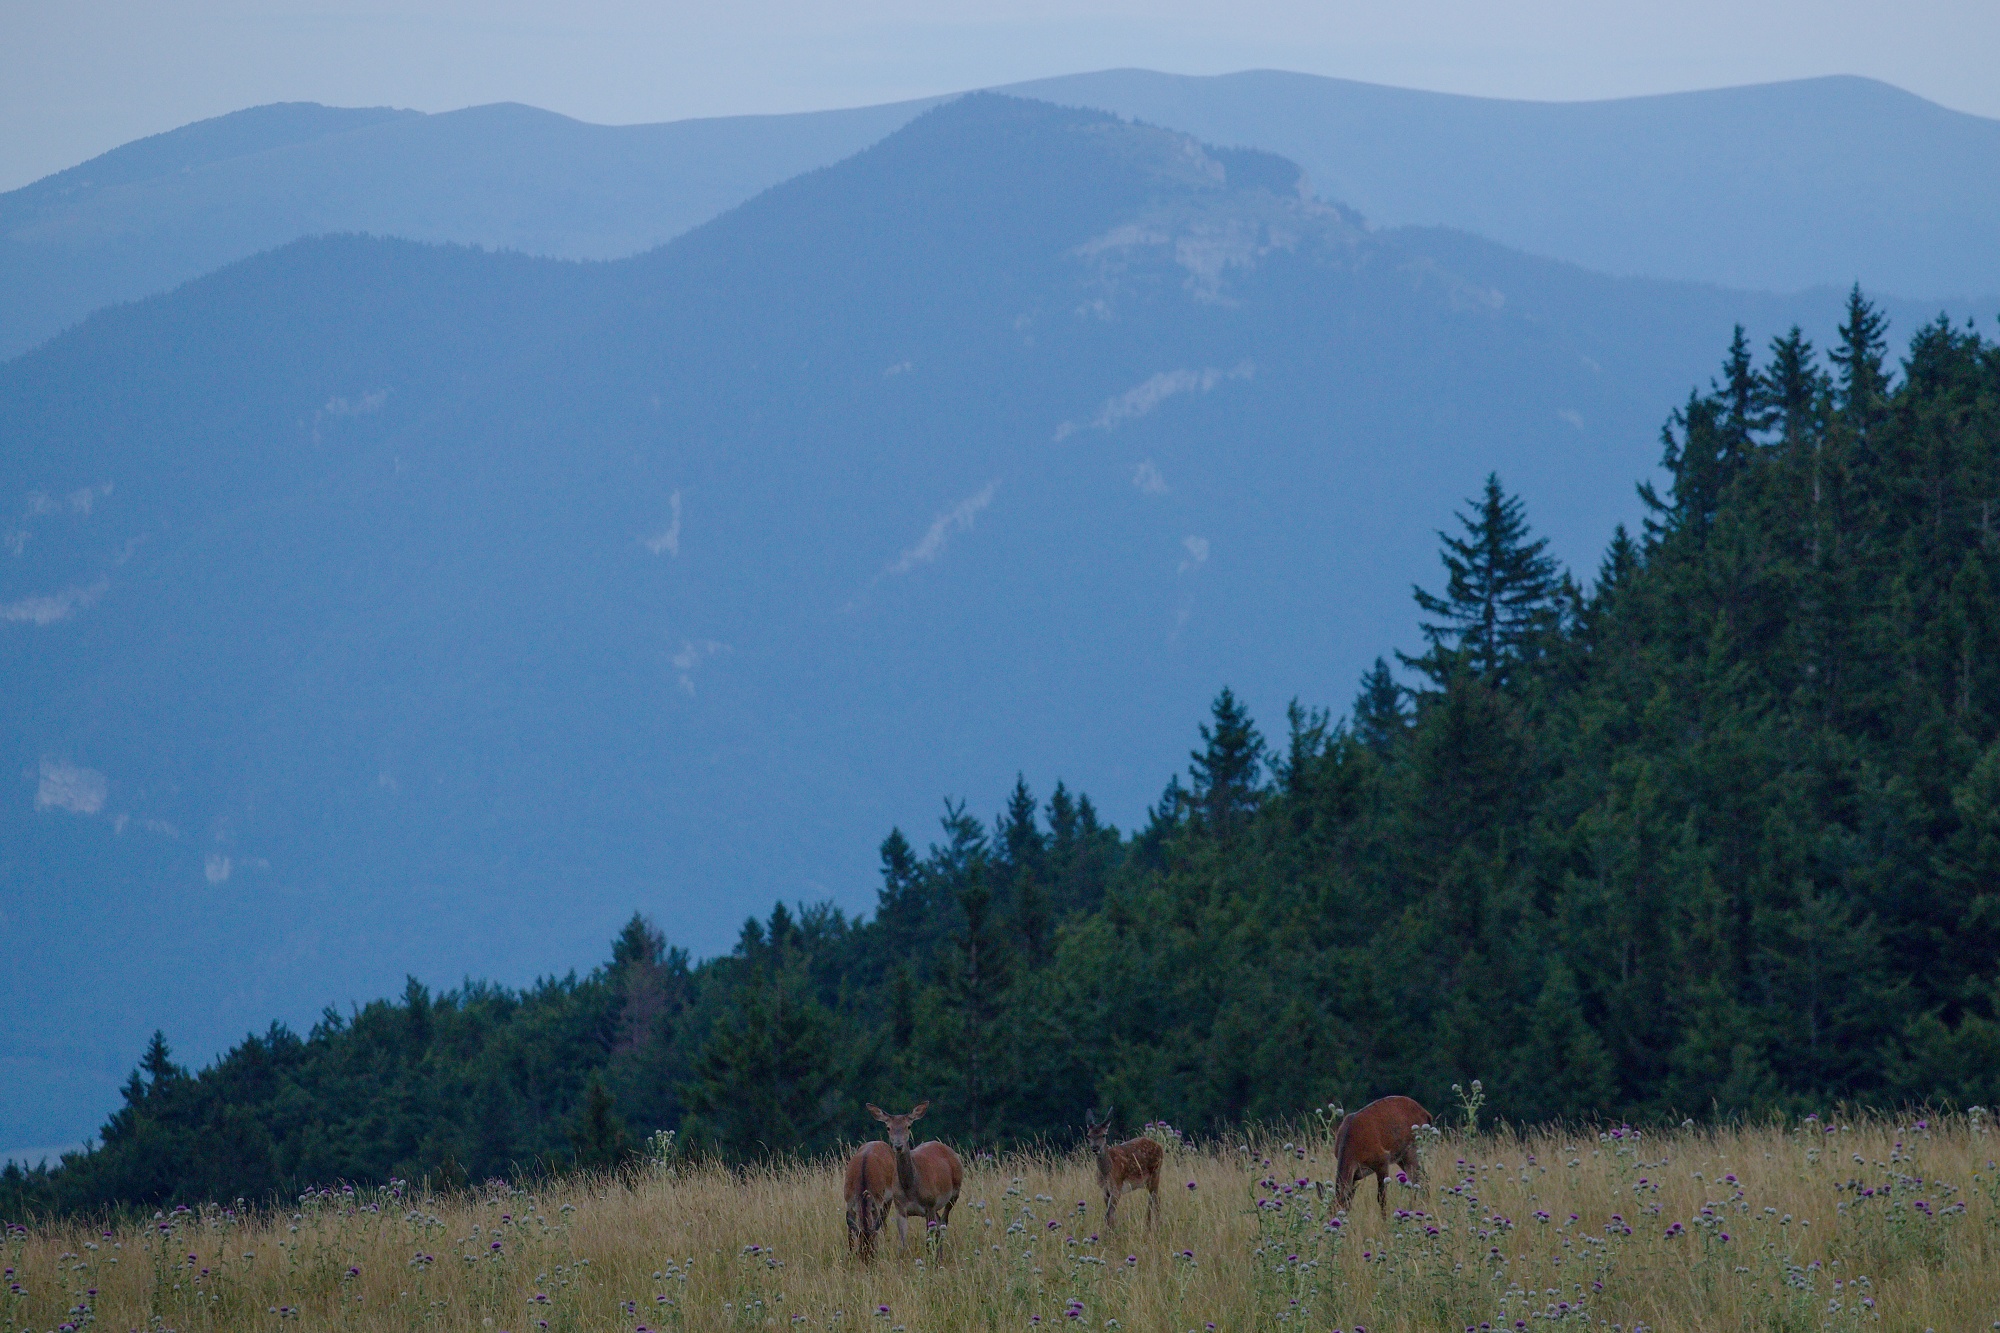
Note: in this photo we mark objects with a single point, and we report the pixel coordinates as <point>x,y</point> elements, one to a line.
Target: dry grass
<point>1772,1234</point>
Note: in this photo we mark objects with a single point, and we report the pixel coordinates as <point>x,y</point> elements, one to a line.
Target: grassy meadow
<point>1890,1224</point>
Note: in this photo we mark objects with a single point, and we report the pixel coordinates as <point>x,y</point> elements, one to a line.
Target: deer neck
<point>1106,1164</point>
<point>906,1173</point>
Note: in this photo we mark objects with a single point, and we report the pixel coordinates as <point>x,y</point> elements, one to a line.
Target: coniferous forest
<point>1711,830</point>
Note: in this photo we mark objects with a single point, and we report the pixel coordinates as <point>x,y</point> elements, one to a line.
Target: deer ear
<point>917,1111</point>
<point>878,1113</point>
<point>1107,1115</point>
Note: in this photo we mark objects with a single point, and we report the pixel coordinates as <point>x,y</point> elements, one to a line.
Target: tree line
<point>1713,831</point>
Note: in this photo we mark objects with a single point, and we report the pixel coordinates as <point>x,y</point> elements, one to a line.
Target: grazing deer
<point>927,1178</point>
<point>871,1179</point>
<point>1381,1135</point>
<point>1124,1167</point>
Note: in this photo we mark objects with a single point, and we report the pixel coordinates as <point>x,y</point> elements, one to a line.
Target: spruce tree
<point>1499,599</point>
<point>770,1076</point>
<point>1227,771</point>
<point>598,1138</point>
<point>158,1063</point>
<point>1379,718</point>
<point>1863,383</point>
<point>1563,1069</point>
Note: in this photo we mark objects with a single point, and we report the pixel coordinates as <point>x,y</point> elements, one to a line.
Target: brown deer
<point>1124,1167</point>
<point>871,1179</point>
<point>1378,1137</point>
<point>927,1178</point>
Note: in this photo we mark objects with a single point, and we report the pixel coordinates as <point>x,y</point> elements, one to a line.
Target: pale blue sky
<point>80,76</point>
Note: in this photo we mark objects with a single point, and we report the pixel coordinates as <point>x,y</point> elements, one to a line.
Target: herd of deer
<point>895,1179</point>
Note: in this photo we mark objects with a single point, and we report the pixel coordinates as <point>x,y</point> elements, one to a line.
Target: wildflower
<point>1190,1184</point>
<point>881,1312</point>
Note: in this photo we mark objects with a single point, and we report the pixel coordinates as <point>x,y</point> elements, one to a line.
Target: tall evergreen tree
<point>1498,606</point>
<point>1858,360</point>
<point>1379,717</point>
<point>599,1138</point>
<point>1227,772</point>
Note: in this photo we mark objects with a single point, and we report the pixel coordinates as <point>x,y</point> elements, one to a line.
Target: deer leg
<point>902,1232</point>
<point>1382,1191</point>
<point>1110,1208</point>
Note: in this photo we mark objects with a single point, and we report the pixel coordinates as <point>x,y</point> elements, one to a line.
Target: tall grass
<point>1886,1224</point>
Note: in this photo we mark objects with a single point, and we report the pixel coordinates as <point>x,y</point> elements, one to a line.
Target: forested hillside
<point>371,609</point>
<point>1713,830</point>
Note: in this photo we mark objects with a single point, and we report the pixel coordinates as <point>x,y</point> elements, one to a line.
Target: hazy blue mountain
<point>150,215</point>
<point>372,607</point>
<point>1777,187</point>
<point>1772,187</point>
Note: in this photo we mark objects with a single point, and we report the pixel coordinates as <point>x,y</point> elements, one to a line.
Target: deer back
<point>939,1173</point>
<point>1379,1132</point>
<point>1133,1161</point>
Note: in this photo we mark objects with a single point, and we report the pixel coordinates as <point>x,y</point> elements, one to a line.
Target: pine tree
<point>1563,1069</point>
<point>1308,734</point>
<point>973,991</point>
<point>1227,771</point>
<point>158,1064</point>
<point>770,1076</point>
<point>1499,600</point>
<point>1021,844</point>
<point>1379,718</point>
<point>1858,359</point>
<point>1792,384</point>
<point>639,944</point>
<point>598,1138</point>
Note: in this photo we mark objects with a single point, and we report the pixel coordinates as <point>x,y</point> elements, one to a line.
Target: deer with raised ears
<point>871,1179</point>
<point>928,1178</point>
<point>1380,1136</point>
<point>1124,1167</point>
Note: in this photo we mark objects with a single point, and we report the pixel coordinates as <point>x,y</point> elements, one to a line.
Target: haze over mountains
<point>371,607</point>
<point>1771,188</point>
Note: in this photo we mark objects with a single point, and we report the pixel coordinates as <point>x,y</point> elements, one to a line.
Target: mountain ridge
<point>1881,188</point>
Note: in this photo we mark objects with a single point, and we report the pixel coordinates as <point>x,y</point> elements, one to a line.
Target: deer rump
<point>871,1180</point>
<point>1380,1137</point>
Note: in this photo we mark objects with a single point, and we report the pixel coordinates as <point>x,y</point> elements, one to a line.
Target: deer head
<point>899,1125</point>
<point>1097,1132</point>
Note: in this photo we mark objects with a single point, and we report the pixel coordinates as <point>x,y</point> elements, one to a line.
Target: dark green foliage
<point>1498,606</point>
<point>599,1136</point>
<point>1721,835</point>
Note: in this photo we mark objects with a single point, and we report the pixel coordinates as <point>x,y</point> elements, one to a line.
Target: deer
<point>871,1179</point>
<point>1124,1167</point>
<point>1381,1135</point>
<point>927,1178</point>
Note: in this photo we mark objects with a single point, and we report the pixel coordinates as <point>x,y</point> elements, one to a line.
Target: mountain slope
<point>370,607</point>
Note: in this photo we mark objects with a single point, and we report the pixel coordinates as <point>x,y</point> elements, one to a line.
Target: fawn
<point>1124,1167</point>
